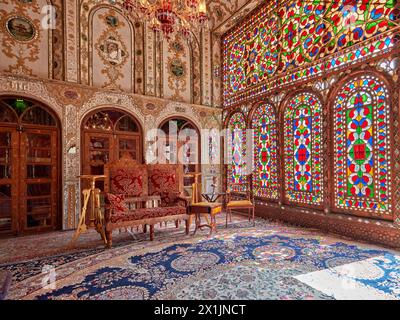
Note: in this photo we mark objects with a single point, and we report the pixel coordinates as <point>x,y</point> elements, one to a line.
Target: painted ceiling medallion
<point>21,28</point>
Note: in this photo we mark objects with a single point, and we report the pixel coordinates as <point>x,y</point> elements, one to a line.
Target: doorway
<point>29,167</point>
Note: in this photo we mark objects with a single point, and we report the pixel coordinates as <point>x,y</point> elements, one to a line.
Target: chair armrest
<point>182,200</point>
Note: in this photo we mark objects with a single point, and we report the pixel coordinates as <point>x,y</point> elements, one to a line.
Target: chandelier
<point>168,16</point>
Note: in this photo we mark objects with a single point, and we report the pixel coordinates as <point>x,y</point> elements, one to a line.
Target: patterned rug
<point>268,261</point>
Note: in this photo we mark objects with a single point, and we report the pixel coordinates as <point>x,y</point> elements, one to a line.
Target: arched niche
<point>107,134</point>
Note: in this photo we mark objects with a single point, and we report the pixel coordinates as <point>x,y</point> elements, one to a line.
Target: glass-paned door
<point>8,179</point>
<point>38,197</point>
<point>129,144</point>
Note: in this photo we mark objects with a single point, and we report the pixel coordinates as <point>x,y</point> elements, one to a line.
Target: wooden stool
<point>205,208</point>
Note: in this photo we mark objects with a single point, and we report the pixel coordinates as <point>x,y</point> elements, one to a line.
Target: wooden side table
<point>214,197</point>
<point>202,208</point>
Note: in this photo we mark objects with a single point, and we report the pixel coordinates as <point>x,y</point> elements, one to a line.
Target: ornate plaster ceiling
<point>226,13</point>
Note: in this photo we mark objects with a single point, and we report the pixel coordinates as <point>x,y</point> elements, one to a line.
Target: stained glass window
<point>284,35</point>
<point>303,150</point>
<point>265,173</point>
<point>237,147</point>
<point>362,147</point>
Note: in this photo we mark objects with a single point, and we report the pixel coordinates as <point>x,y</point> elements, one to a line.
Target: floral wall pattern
<point>31,45</point>
<point>113,41</point>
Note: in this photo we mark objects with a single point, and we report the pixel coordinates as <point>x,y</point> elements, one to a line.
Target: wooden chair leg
<point>145,228</point>
<point>151,232</point>
<point>254,222</point>
<point>213,223</point>
<point>177,224</point>
<point>187,225</point>
<point>226,222</point>
<point>109,239</point>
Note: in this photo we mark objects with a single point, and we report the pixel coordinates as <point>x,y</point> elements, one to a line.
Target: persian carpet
<point>268,261</point>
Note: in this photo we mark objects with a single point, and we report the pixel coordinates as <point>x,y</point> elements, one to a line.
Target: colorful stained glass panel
<point>265,173</point>
<point>362,148</point>
<point>285,35</point>
<point>237,146</point>
<point>303,152</point>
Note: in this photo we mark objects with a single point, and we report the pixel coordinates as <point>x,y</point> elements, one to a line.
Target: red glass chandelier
<point>168,16</point>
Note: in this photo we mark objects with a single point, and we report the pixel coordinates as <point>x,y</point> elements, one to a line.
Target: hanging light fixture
<point>168,16</point>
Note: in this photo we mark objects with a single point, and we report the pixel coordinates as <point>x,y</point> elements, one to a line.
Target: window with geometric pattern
<point>362,146</point>
<point>265,170</point>
<point>303,149</point>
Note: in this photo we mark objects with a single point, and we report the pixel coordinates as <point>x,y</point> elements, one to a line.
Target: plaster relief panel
<point>28,32</point>
<point>177,69</point>
<point>112,42</point>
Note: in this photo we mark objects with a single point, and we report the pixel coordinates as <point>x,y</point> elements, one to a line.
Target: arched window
<point>237,150</point>
<point>362,146</point>
<point>265,173</point>
<point>302,145</point>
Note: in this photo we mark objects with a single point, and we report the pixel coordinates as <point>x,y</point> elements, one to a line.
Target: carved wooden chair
<point>245,201</point>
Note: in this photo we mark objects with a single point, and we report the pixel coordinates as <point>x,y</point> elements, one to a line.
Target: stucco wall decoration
<point>112,51</point>
<point>31,38</point>
<point>177,65</point>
